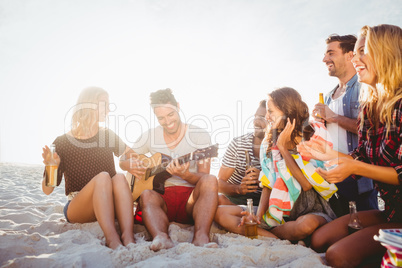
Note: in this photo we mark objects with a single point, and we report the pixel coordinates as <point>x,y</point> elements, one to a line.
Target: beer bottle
<point>51,168</point>
<point>321,98</point>
<point>354,222</point>
<point>248,160</point>
<point>249,164</point>
<point>250,223</point>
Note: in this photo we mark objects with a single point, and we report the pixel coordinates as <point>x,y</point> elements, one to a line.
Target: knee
<point>306,225</point>
<point>147,197</point>
<point>318,242</point>
<point>119,180</point>
<point>210,182</point>
<point>103,180</point>
<point>336,258</point>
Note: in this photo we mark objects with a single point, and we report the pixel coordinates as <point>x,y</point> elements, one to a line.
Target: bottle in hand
<point>248,160</point>
<point>249,164</point>
<point>354,222</point>
<point>250,224</point>
<point>321,100</point>
<point>51,169</point>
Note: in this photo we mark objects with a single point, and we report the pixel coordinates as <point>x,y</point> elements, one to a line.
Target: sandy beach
<point>34,233</point>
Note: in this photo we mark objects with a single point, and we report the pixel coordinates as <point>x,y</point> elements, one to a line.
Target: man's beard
<point>259,134</point>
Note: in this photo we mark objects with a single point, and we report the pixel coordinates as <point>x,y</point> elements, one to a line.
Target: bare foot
<point>127,240</point>
<point>301,243</point>
<point>161,242</point>
<point>201,240</point>
<point>114,244</point>
<point>211,245</point>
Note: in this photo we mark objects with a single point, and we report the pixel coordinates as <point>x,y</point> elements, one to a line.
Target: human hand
<point>317,149</point>
<point>177,169</point>
<point>322,112</point>
<point>46,155</point>
<point>284,137</point>
<point>259,216</point>
<point>249,183</point>
<point>345,167</point>
<point>247,217</point>
<point>136,166</point>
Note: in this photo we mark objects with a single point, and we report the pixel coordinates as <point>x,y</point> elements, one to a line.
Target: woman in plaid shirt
<point>378,63</point>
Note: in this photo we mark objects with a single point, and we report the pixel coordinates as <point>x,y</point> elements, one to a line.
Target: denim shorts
<point>65,210</point>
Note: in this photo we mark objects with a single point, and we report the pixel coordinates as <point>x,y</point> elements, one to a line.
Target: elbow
<point>122,165</point>
<point>46,190</point>
<point>307,187</point>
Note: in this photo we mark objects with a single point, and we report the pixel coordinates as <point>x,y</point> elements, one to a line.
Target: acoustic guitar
<point>156,174</point>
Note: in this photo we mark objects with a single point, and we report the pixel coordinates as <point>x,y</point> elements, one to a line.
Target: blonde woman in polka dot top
<point>86,160</point>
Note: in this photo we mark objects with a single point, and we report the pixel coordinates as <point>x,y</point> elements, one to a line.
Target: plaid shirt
<point>376,148</point>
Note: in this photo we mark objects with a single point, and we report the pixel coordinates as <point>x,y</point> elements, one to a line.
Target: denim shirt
<point>350,107</point>
<point>351,110</point>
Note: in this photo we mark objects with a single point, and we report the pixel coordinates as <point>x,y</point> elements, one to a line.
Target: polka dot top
<point>83,159</point>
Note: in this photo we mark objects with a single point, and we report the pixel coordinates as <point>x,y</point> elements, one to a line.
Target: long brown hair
<point>289,101</point>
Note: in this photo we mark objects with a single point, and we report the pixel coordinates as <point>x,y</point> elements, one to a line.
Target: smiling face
<point>362,64</point>
<point>274,116</point>
<point>260,123</point>
<point>335,59</point>
<point>168,117</point>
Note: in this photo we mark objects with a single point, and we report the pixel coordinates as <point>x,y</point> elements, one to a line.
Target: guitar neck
<point>162,167</point>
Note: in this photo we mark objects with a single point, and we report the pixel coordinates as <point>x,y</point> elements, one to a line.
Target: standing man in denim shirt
<point>340,113</point>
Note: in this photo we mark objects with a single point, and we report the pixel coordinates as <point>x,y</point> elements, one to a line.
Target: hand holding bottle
<point>47,156</point>
<point>52,161</point>
<point>249,183</point>
<point>247,217</point>
<point>250,221</point>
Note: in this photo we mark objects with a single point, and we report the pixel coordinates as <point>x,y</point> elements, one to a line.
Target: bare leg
<point>223,200</point>
<point>202,205</point>
<point>229,218</point>
<point>95,202</point>
<point>155,219</point>
<point>299,229</point>
<point>344,250</point>
<point>358,247</point>
<point>123,203</point>
<point>337,229</point>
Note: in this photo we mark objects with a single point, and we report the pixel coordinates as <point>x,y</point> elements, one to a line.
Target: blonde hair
<point>384,52</point>
<point>85,115</point>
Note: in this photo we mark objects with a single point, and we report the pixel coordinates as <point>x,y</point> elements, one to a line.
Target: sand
<point>34,233</point>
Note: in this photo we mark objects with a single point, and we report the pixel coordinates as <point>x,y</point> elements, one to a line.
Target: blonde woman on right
<point>378,62</point>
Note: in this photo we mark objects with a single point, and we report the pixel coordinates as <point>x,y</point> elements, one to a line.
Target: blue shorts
<point>65,209</point>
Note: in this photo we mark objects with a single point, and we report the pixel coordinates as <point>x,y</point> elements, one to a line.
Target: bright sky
<point>220,58</point>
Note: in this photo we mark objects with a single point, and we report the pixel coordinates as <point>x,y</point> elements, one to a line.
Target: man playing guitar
<point>190,194</point>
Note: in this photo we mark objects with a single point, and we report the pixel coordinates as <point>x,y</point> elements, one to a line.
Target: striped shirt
<point>235,157</point>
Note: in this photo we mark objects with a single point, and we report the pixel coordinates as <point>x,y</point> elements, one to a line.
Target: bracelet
<point>355,156</point>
